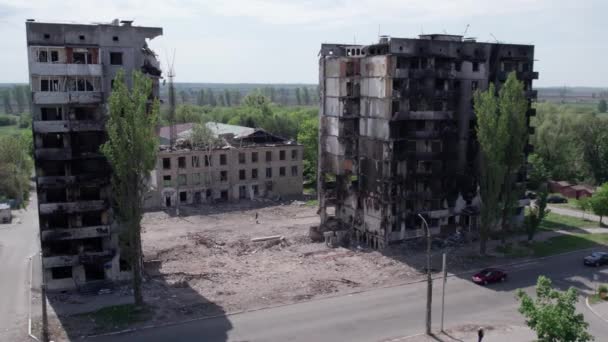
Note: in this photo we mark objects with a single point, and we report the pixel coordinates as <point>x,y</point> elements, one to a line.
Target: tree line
<point>299,96</point>
<point>15,100</point>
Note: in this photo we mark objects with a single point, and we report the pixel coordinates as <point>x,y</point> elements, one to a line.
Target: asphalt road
<point>390,312</point>
<point>18,241</point>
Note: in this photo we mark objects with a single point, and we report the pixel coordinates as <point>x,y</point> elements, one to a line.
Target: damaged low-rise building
<point>71,69</point>
<point>397,132</point>
<point>242,163</point>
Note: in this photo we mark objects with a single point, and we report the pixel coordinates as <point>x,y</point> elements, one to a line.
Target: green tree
<point>203,137</point>
<point>227,97</point>
<point>221,101</point>
<point>184,96</point>
<point>6,100</point>
<point>306,96</point>
<point>211,98</point>
<point>538,212</point>
<point>20,97</point>
<point>273,95</point>
<point>236,96</point>
<point>308,136</point>
<point>512,106</point>
<point>599,202</point>
<point>16,165</point>
<point>553,314</point>
<point>584,205</point>
<point>298,97</point>
<point>601,106</point>
<point>201,100</point>
<point>492,134</point>
<point>257,101</point>
<point>593,142</point>
<point>131,151</point>
<point>539,173</point>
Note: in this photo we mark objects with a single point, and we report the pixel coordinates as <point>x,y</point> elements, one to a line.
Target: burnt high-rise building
<point>71,69</point>
<point>397,132</point>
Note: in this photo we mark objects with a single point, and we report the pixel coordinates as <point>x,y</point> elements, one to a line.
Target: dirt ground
<point>209,252</point>
<point>204,263</point>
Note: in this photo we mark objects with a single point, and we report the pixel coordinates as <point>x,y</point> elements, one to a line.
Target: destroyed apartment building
<point>242,163</point>
<point>397,132</point>
<point>71,69</point>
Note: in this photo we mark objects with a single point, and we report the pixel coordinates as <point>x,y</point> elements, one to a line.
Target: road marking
<point>29,318</point>
<point>402,338</point>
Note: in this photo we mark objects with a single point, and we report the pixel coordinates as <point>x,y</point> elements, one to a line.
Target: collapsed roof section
<point>227,136</point>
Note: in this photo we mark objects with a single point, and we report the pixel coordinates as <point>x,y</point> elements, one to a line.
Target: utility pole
<point>429,278</point>
<point>445,275</point>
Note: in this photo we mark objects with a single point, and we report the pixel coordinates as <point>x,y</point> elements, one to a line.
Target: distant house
<point>558,186</point>
<point>581,191</point>
<point>5,213</point>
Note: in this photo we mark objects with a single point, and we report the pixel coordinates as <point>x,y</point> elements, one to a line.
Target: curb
<point>594,312</point>
<point>130,330</point>
<point>29,315</point>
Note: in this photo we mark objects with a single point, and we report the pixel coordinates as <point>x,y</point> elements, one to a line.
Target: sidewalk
<point>601,309</point>
<point>573,213</point>
<point>501,333</point>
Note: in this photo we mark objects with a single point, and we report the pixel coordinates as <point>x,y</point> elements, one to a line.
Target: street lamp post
<point>429,279</point>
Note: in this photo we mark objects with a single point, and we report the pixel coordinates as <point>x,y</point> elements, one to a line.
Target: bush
<point>602,289</point>
<point>6,120</point>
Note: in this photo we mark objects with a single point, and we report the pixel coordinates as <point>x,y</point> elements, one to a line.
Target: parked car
<point>489,275</point>
<point>596,259</point>
<point>556,199</point>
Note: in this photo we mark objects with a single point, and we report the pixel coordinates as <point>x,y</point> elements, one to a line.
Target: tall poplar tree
<point>131,151</point>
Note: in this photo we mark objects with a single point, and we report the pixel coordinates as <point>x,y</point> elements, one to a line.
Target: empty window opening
<point>181,162</point>
<point>474,85</point>
<point>167,163</point>
<point>224,195</point>
<point>242,192</point>
<point>196,161</point>
<point>256,190</point>
<point>115,38</point>
<point>242,175</point>
<point>124,265</point>
<point>61,272</point>
<point>207,160</point>
<point>282,155</point>
<point>294,171</point>
<point>254,157</point>
<point>183,196</point>
<point>116,58</point>
<point>91,219</point>
<point>51,113</point>
<point>254,173</point>
<point>241,158</point>
<point>56,195</point>
<point>294,154</point>
<point>475,66</point>
<point>223,176</point>
<point>52,141</point>
<point>81,37</point>
<point>167,180</point>
<point>56,221</point>
<point>268,156</point>
<point>90,193</point>
<point>195,178</point>
<point>47,36</point>
<point>223,159</point>
<point>282,171</point>
<point>94,272</point>
<point>182,180</point>
<point>268,172</point>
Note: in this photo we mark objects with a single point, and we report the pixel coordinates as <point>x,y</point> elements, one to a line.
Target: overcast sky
<point>277,41</point>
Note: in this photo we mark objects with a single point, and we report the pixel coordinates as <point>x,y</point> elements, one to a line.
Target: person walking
<point>480,334</point>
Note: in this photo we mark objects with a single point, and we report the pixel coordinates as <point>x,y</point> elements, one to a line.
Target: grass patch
<point>566,243</point>
<point>555,221</point>
<point>312,203</point>
<point>596,299</point>
<point>513,251</point>
<point>119,316</point>
<point>11,130</point>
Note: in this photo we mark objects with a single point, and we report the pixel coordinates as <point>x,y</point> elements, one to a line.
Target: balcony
<point>75,233</point>
<point>521,75</point>
<point>61,69</point>
<point>65,97</point>
<point>68,126</point>
<point>425,115</point>
<point>73,260</point>
<point>72,207</point>
<point>100,178</point>
<point>53,153</point>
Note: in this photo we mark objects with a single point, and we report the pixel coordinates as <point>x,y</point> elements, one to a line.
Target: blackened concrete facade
<point>71,69</point>
<point>397,132</point>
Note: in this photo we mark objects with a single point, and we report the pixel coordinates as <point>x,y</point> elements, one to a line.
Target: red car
<point>489,275</point>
